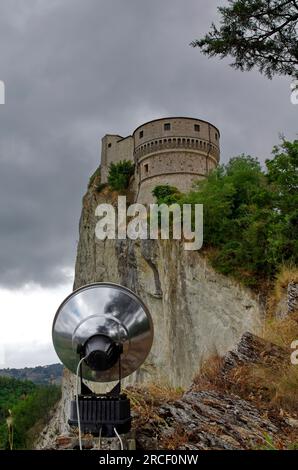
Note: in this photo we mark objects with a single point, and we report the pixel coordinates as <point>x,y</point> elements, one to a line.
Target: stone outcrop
<point>201,419</point>
<point>292,297</point>
<point>207,420</point>
<point>288,303</point>
<point>252,349</point>
<point>197,313</point>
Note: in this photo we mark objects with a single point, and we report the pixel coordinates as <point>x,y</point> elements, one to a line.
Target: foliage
<point>166,194</point>
<point>12,390</point>
<point>29,404</point>
<point>120,174</point>
<point>250,216</point>
<point>260,33</point>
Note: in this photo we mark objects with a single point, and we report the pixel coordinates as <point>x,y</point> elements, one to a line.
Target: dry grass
<point>145,399</point>
<point>281,332</point>
<point>210,377</point>
<point>269,387</point>
<point>175,440</point>
<point>286,275</point>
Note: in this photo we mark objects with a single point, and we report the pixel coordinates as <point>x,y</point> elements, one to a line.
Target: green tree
<point>283,178</point>
<point>120,174</point>
<point>250,215</point>
<point>166,194</point>
<point>27,412</point>
<point>261,33</point>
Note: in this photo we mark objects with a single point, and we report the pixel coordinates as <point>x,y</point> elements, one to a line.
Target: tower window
<point>167,126</point>
<point>197,127</point>
<point>141,134</point>
<point>109,145</point>
<point>216,136</point>
<point>146,168</point>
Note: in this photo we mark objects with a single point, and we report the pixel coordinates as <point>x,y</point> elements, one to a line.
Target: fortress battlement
<point>177,151</point>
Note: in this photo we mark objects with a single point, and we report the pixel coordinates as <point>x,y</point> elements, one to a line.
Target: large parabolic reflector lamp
<point>102,332</point>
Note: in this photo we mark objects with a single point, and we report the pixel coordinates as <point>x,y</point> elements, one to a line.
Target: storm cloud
<point>76,70</point>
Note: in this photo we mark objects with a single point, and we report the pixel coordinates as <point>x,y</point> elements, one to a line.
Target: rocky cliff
<point>197,313</point>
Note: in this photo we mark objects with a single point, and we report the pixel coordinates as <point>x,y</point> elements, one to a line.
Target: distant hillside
<point>28,407</point>
<point>41,375</point>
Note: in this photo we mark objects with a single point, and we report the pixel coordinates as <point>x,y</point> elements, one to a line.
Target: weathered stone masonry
<point>176,151</point>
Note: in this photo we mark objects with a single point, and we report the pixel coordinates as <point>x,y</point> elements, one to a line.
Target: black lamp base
<point>101,414</point>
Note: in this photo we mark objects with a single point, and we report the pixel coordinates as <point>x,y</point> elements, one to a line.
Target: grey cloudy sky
<point>75,70</point>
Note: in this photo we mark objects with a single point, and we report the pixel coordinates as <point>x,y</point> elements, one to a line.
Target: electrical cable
<point>77,400</point>
<point>99,439</point>
<point>119,437</point>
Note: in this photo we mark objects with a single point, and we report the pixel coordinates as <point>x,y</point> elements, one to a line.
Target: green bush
<point>250,215</point>
<point>120,174</point>
<point>164,192</point>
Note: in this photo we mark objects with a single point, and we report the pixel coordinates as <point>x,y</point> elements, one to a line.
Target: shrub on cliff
<point>250,215</point>
<point>120,174</point>
<point>166,194</point>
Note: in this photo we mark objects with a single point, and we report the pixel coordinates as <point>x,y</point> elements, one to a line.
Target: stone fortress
<point>177,151</point>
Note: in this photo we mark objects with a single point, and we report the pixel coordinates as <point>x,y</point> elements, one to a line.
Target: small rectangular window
<point>216,136</point>
<point>197,127</point>
<point>167,126</point>
<point>146,167</point>
<point>109,145</point>
<point>141,134</point>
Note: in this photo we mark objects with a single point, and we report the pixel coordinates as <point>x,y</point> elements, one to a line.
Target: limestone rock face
<point>58,423</point>
<point>197,313</point>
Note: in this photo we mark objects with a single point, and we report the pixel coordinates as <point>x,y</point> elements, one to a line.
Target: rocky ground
<point>209,415</point>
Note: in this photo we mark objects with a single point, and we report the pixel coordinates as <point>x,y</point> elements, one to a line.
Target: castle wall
<point>114,149</point>
<point>174,151</point>
<point>178,127</point>
<point>183,184</point>
<point>179,168</point>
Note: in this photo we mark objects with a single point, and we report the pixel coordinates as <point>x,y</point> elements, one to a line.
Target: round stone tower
<point>175,151</point>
